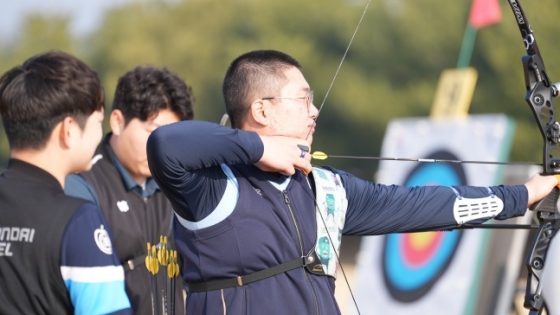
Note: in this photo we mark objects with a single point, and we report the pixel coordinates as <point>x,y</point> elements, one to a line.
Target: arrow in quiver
<point>162,284</point>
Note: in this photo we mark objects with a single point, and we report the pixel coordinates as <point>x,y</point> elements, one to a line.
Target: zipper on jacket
<point>289,205</point>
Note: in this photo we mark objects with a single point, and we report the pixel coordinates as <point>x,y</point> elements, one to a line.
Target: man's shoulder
<point>47,204</point>
<point>71,203</point>
<point>102,165</point>
<point>77,186</point>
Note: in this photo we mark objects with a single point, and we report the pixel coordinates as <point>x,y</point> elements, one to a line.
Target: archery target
<point>431,272</point>
<point>413,262</point>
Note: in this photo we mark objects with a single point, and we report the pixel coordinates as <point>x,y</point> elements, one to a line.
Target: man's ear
<point>68,131</point>
<point>260,112</point>
<point>116,121</point>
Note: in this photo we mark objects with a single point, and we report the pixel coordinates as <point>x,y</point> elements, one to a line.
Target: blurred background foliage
<point>391,71</point>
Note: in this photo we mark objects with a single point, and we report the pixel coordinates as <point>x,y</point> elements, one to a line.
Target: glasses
<point>308,99</point>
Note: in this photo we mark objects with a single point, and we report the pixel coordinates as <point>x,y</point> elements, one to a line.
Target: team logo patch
<point>123,206</point>
<point>102,240</point>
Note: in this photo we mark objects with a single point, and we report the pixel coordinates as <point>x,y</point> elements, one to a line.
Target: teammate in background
<point>248,201</point>
<point>120,181</point>
<point>56,251</point>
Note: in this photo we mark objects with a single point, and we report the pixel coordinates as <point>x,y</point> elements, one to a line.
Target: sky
<point>85,15</point>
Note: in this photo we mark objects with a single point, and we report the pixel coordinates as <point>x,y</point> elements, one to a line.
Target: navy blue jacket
<point>186,160</point>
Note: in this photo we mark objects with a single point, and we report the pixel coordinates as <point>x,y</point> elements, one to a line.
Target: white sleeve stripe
<point>92,274</point>
<point>224,208</point>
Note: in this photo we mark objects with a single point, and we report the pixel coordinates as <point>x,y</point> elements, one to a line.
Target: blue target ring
<point>407,280</point>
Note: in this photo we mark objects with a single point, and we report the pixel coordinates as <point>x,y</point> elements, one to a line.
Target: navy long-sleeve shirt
<point>186,158</point>
<point>234,219</point>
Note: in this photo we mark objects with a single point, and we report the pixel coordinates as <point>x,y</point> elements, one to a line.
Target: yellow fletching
<point>154,268</point>
<point>173,269</point>
<point>163,256</point>
<point>319,155</point>
<point>170,270</point>
<point>148,258</point>
<point>176,264</point>
<point>163,253</point>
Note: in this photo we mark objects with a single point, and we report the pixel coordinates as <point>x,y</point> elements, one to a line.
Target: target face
<point>412,263</point>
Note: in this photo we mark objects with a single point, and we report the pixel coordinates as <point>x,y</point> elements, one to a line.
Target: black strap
<point>133,263</point>
<point>246,279</point>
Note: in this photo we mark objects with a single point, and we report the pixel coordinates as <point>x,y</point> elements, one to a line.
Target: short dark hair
<point>257,73</point>
<point>45,89</point>
<point>145,90</point>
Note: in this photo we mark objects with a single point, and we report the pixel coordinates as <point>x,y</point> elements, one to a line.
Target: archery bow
<point>539,97</point>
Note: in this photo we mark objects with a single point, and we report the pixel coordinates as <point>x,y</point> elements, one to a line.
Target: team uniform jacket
<point>55,251</point>
<point>136,216</point>
<point>233,219</point>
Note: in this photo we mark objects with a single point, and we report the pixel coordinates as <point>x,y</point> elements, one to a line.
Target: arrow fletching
<point>319,155</point>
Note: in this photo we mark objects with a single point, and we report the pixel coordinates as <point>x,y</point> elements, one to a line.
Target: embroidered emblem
<point>123,206</point>
<point>103,241</point>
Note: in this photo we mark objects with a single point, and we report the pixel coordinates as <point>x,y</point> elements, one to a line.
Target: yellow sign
<point>454,93</point>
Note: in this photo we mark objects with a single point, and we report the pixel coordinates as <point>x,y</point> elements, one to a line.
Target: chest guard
<point>331,205</point>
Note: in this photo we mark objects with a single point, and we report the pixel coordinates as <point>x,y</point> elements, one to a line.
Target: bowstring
<point>340,65</point>
<point>309,133</point>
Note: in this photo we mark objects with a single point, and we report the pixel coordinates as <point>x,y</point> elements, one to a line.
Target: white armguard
<point>468,209</point>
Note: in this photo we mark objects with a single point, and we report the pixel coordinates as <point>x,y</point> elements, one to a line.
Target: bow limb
<point>539,94</point>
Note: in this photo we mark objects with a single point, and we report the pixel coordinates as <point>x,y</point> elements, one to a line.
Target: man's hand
<point>282,154</point>
<point>539,186</point>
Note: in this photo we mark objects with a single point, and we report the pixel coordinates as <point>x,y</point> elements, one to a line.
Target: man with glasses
<point>251,212</point>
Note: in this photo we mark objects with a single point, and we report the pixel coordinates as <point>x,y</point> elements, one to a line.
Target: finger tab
<point>558,179</point>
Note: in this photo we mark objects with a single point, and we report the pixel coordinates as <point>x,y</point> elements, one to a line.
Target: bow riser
<point>539,97</point>
<point>549,224</point>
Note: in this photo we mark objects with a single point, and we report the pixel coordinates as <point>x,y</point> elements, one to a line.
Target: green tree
<point>38,34</point>
<point>386,74</point>
<point>391,70</point>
